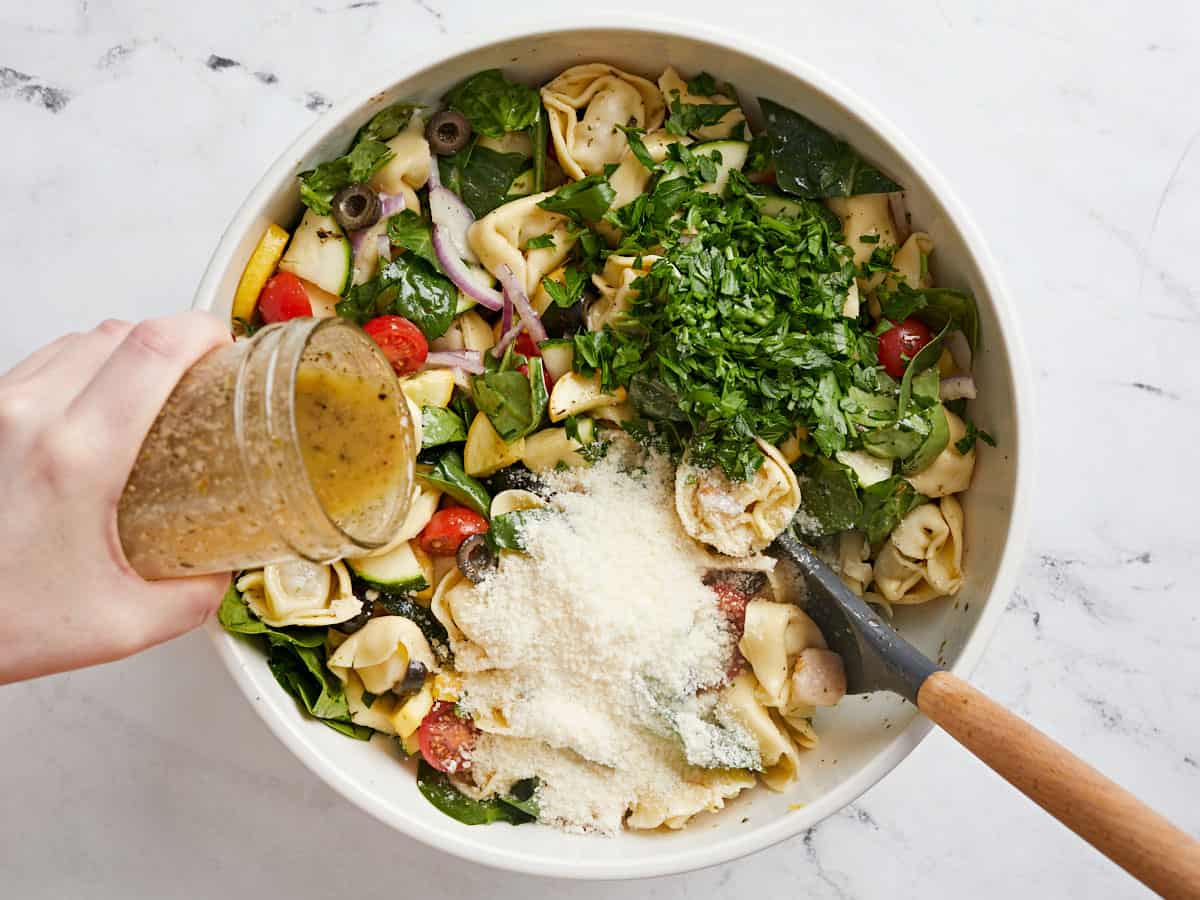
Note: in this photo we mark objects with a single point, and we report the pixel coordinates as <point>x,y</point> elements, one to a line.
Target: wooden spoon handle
<point>1100,811</point>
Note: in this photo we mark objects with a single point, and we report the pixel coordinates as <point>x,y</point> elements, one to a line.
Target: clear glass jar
<point>295,443</point>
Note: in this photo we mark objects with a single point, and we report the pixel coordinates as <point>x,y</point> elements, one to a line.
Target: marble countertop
<point>132,130</point>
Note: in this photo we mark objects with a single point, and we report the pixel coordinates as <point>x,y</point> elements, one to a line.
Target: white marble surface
<point>132,130</point>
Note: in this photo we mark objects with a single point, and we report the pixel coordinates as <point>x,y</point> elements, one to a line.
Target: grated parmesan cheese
<point>606,607</point>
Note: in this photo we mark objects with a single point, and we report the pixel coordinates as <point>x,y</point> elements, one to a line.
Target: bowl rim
<point>849,104</point>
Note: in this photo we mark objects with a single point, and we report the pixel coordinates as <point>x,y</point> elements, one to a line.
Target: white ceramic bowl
<point>854,734</point>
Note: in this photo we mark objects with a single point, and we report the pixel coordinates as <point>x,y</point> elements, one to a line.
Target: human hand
<point>72,419</point>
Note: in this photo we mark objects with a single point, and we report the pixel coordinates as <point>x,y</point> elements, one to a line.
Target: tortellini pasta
<point>732,124</point>
<point>780,755</point>
<point>922,559</point>
<point>376,659</point>
<point>950,472</point>
<point>737,517</point>
<point>456,596</point>
<point>615,284</point>
<point>631,176</point>
<point>300,593</point>
<point>501,237</point>
<point>775,635</point>
<point>586,104</point>
<point>910,261</point>
<point>866,214</point>
<point>408,169</point>
<point>853,561</point>
<point>706,791</point>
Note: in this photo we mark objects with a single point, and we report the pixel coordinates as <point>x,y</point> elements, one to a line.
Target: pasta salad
<point>639,337</point>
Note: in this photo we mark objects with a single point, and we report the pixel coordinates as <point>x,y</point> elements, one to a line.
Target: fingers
<point>121,401</point>
<point>36,359</point>
<point>61,378</point>
<point>176,606</point>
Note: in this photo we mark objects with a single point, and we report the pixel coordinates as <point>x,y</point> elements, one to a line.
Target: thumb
<point>177,605</point>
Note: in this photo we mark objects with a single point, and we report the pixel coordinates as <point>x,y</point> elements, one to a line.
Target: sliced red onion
<point>460,273</point>
<point>506,315</point>
<point>507,338</point>
<point>957,387</point>
<point>515,291</point>
<point>356,240</point>
<point>960,349</point>
<point>467,360</point>
<point>899,211</point>
<point>390,204</point>
<point>454,218</point>
<point>384,243</point>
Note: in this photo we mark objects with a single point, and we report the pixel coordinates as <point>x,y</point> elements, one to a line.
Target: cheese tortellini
<point>922,559</point>
<point>950,472</point>
<point>705,791</point>
<point>737,517</point>
<point>376,659</point>
<point>732,124</point>
<point>501,237</point>
<point>586,104</point>
<point>300,593</point>
<point>779,752</point>
<point>615,284</point>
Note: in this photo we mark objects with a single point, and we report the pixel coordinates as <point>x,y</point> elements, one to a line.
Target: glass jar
<point>295,443</point>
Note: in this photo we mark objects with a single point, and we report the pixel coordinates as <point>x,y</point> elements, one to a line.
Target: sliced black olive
<point>516,478</point>
<point>413,678</point>
<point>448,132</point>
<point>356,206</point>
<point>352,625</point>
<point>562,321</point>
<point>475,558</point>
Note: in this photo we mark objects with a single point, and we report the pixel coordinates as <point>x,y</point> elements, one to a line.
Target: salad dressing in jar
<point>295,443</point>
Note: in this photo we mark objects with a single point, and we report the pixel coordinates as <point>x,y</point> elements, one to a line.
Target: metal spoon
<point>1108,817</point>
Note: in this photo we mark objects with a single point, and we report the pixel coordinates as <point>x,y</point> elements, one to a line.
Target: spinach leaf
<point>317,186</point>
<point>586,200</point>
<point>493,104</point>
<point>296,657</point>
<point>539,137</point>
<point>387,123</point>
<point>936,307</point>
<point>235,616</point>
<point>505,533</point>
<point>811,162</point>
<point>441,426</point>
<point>655,400</point>
<point>934,443</point>
<point>515,403</point>
<point>884,504</point>
<point>407,286</point>
<point>449,475</point>
<point>702,85</point>
<point>924,359</point>
<point>523,796</point>
<point>830,501</point>
<point>481,176</point>
<point>438,790</point>
<point>567,292</point>
<point>412,232</point>
<point>541,242</point>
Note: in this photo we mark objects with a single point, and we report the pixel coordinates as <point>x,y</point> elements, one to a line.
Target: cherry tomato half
<point>449,528</point>
<point>401,341</point>
<point>283,297</point>
<point>901,343</point>
<point>732,604</point>
<point>526,346</point>
<point>445,739</point>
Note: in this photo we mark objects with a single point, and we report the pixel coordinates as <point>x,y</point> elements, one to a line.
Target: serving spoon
<point>1100,811</point>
